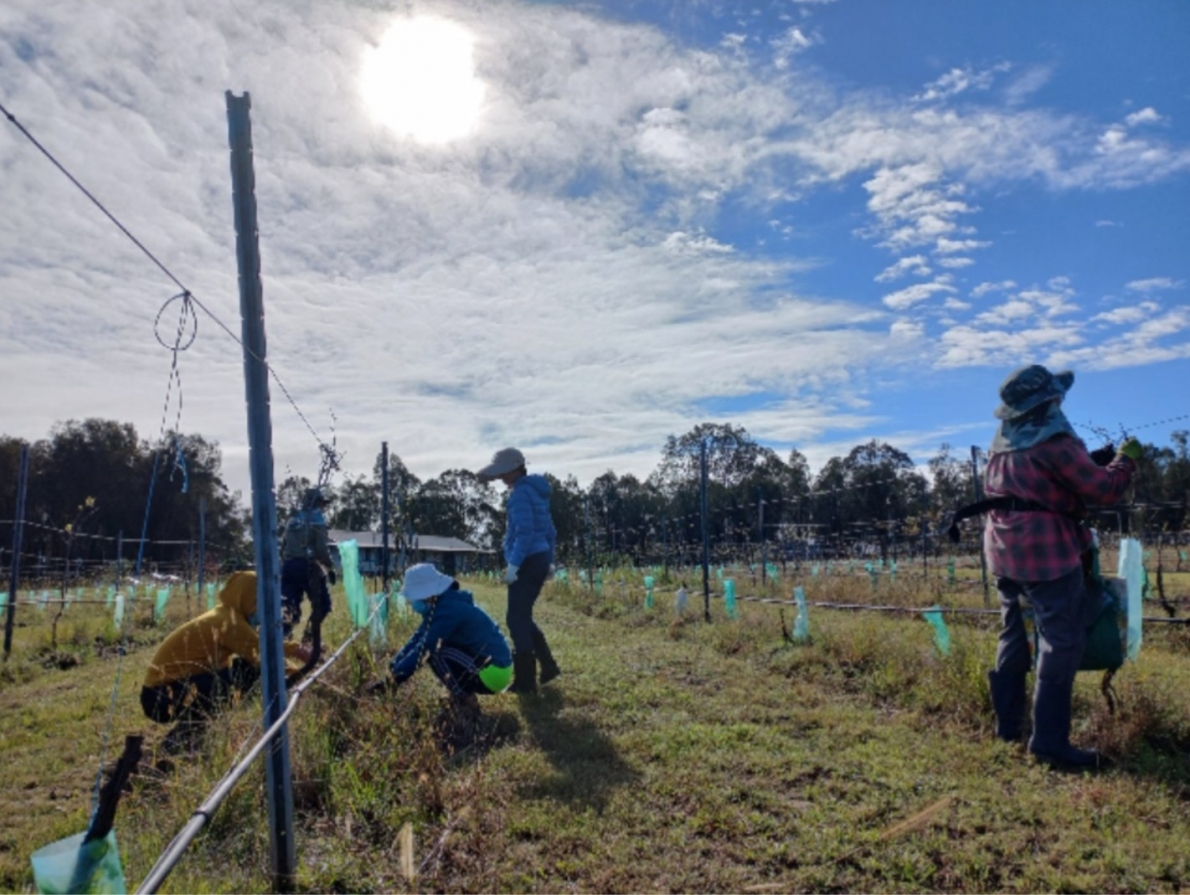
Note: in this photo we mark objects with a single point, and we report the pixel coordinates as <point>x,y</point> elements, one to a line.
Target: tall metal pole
<point>384,515</point>
<point>202,547</point>
<point>264,507</point>
<point>978,491</point>
<point>18,531</point>
<point>706,533</point>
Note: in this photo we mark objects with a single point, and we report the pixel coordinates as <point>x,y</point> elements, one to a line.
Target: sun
<point>420,81</point>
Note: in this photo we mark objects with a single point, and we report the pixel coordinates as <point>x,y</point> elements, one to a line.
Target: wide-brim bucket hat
<point>424,581</point>
<point>1029,387</point>
<point>503,462</point>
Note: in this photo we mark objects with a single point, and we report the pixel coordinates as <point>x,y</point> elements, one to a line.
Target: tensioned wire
<point>165,270</point>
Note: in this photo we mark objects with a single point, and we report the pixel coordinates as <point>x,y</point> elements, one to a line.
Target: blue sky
<point>826,221</point>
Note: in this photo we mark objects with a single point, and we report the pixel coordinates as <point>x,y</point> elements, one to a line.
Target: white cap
<point>424,581</point>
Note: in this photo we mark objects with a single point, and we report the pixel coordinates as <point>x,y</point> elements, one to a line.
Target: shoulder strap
<point>1008,502</point>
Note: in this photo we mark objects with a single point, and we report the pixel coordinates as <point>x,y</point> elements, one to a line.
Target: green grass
<point>673,755</point>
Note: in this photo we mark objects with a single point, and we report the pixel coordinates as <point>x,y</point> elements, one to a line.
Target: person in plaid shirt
<point>1036,554</point>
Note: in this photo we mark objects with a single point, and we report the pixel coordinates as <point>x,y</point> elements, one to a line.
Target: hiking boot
<point>549,668</point>
<point>1008,702</point>
<point>1050,743</point>
<point>524,673</point>
<point>1073,759</point>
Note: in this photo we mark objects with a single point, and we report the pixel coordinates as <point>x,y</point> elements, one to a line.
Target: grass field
<point>673,755</point>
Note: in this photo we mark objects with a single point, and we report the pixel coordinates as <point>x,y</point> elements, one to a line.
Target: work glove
<point>1132,450</point>
<point>1104,455</point>
<point>510,574</point>
<point>331,578</point>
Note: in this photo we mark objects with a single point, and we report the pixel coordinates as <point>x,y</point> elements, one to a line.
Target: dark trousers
<point>458,671</point>
<point>1060,611</point>
<point>299,578</point>
<point>198,695</point>
<point>522,595</point>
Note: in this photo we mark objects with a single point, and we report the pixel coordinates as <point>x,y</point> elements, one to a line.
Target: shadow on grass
<point>587,766</point>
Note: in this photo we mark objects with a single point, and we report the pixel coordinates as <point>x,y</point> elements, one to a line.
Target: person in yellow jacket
<point>210,658</point>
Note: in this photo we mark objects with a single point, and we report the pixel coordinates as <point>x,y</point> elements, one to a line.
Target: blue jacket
<point>455,621</point>
<point>530,529</point>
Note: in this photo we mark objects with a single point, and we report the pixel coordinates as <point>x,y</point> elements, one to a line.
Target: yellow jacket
<point>208,643</point>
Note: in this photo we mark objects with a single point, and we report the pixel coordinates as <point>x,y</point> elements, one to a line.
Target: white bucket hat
<point>424,581</point>
<point>503,462</point>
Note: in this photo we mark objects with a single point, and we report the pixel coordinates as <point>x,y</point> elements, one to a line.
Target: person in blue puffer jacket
<point>529,554</point>
<point>460,642</point>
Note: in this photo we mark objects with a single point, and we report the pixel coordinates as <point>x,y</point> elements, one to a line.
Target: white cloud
<point>913,264</point>
<point>1106,223</point>
<point>968,346</point>
<point>917,293</point>
<point>911,208</point>
<point>1154,284</point>
<point>1147,115</point>
<point>789,44</point>
<point>1027,83</point>
<point>951,246</point>
<point>906,329</point>
<point>955,263</point>
<point>958,80</point>
<point>1130,314</point>
<point>984,288</point>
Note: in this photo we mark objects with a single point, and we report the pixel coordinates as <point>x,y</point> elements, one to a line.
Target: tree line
<point>91,480</point>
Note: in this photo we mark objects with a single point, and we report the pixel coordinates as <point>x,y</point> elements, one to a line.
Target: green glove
<point>1132,450</point>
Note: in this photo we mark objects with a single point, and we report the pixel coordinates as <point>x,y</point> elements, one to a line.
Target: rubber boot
<point>549,668</point>
<point>1008,702</point>
<point>524,673</point>
<point>1050,742</point>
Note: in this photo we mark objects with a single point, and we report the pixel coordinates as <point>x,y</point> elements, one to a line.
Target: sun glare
<point>420,81</point>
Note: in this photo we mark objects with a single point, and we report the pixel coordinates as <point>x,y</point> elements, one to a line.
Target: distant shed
<point>451,555</point>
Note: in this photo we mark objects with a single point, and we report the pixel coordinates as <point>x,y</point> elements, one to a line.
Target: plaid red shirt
<point>1059,474</point>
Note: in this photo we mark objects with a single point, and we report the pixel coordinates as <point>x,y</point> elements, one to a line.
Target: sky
<point>579,228</point>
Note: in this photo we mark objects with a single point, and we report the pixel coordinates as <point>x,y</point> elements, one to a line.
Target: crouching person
<point>458,640</point>
<point>208,662</point>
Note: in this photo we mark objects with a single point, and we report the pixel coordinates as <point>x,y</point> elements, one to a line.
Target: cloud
<point>1130,314</point>
<point>958,80</point>
<point>950,246</point>
<point>1027,83</point>
<point>1154,284</point>
<point>984,288</point>
<point>913,264</point>
<point>955,263</point>
<point>1147,115</point>
<point>912,295</point>
<point>970,346</point>
<point>911,208</point>
<point>789,44</point>
<point>1105,223</point>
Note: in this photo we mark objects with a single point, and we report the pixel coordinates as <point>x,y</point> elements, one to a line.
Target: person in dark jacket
<point>1037,555</point>
<point>461,643</point>
<point>306,564</point>
<point>529,553</point>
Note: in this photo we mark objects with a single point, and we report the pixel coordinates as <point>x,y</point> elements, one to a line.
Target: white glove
<point>510,574</point>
